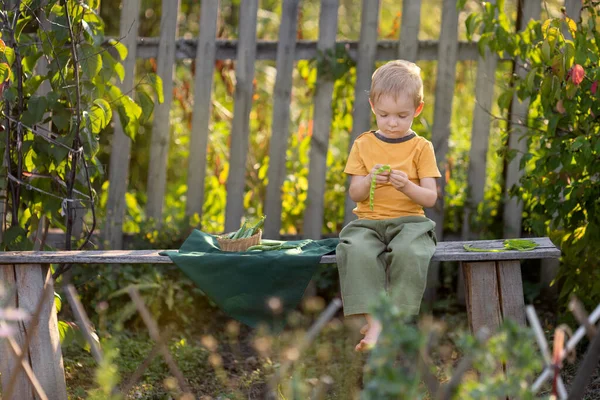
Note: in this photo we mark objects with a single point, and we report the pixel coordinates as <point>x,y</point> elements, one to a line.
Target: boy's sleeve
<point>427,165</point>
<point>355,164</point>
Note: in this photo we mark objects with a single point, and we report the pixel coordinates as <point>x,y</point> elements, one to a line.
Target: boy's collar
<point>403,139</point>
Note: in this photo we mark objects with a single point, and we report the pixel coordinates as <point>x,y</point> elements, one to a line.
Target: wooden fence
<point>206,49</point>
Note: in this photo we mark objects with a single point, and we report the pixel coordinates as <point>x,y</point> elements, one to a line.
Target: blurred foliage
<point>561,169</point>
<point>395,368</point>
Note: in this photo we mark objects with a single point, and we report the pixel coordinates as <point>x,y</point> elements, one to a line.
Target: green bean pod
<point>374,183</point>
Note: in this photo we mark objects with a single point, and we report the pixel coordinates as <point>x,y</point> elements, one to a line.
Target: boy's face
<point>395,116</point>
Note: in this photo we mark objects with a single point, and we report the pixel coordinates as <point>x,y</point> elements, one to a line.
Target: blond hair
<point>395,78</point>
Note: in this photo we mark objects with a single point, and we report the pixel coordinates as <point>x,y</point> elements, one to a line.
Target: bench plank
<point>446,251</point>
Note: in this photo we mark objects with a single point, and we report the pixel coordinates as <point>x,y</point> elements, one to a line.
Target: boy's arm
<point>424,194</point>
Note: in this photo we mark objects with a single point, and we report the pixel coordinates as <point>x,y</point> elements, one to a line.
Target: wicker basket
<point>239,244</point>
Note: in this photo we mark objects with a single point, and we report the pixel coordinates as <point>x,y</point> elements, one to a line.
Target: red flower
<point>577,73</point>
<point>594,87</point>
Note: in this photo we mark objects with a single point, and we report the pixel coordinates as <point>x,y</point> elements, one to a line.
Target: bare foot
<point>370,339</point>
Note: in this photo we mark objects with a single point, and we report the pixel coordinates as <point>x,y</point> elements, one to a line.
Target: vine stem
<point>77,139</point>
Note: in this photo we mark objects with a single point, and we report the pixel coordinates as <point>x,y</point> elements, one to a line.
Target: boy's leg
<point>361,270</point>
<point>412,244</point>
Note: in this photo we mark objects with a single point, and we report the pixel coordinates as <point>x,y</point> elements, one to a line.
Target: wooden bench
<point>493,285</point>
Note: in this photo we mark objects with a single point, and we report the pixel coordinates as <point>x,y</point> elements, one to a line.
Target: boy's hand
<point>382,177</point>
<point>399,179</point>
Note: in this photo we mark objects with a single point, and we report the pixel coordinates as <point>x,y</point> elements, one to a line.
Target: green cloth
<point>242,283</point>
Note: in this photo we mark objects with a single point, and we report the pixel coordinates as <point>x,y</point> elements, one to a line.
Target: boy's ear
<point>371,104</point>
<point>419,109</point>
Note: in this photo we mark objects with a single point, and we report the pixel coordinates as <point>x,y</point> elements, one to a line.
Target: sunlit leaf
<point>4,72</point>
<point>90,60</point>
<point>119,47</point>
<point>100,115</point>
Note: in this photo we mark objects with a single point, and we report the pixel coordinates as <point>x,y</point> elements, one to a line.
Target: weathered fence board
<point>444,94</point>
<point>480,132</point>
<point>408,46</point>
<point>361,116</point>
<point>240,128</point>
<point>281,116</point>
<point>161,129</point>
<point>205,66</point>
<point>513,208</point>
<point>313,216</point>
<point>121,144</point>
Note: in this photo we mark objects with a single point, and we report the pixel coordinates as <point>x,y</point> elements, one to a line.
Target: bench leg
<point>31,284</point>
<point>494,292</point>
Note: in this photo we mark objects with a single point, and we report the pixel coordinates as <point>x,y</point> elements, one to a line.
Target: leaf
<point>4,72</point>
<point>36,108</point>
<point>90,60</point>
<point>21,23</point>
<point>579,143</point>
<point>119,47</point>
<point>156,83</point>
<point>147,105</point>
<point>57,302</point>
<point>2,46</point>
<point>100,115</point>
<point>571,25</point>
<point>504,100</point>
<point>129,111</point>
<point>7,56</point>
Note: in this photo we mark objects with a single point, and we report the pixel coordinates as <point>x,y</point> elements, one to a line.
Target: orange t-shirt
<point>411,154</point>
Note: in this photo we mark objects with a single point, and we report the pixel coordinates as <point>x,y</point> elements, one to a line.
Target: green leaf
<point>7,55</point>
<point>147,105</point>
<point>4,72</point>
<point>505,99</point>
<point>119,47</point>
<point>21,23</point>
<point>36,108</point>
<point>30,61</point>
<point>90,60</point>
<point>32,84</point>
<point>57,302</point>
<point>100,115</point>
<point>156,83</point>
<point>129,111</point>
<point>578,143</point>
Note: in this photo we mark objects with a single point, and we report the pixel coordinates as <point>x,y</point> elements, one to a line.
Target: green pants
<point>391,255</point>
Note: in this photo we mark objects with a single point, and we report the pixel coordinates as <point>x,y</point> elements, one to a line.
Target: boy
<point>393,238</point>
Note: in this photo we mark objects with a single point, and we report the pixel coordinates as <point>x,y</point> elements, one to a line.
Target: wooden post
<point>282,94</point>
<point>240,126</point>
<point>121,143</point>
<point>205,67</point>
<point>361,116</point>
<point>513,207</point>
<point>494,292</point>
<point>33,284</point>
<point>483,302</point>
<point>161,130</point>
<point>510,285</point>
<point>319,143</point>
<point>444,93</point>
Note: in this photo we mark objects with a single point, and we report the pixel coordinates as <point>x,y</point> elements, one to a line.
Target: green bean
<point>374,183</point>
<point>509,244</point>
